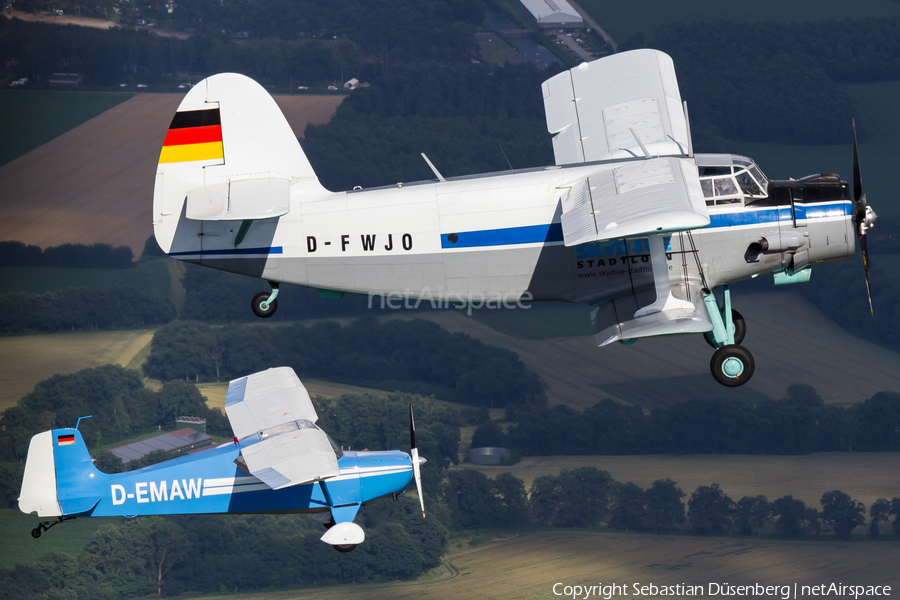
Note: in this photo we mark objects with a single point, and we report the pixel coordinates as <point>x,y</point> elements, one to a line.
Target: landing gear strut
<point>732,364</point>
<point>264,304</point>
<point>45,525</point>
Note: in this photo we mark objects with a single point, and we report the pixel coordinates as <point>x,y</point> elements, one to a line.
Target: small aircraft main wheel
<point>36,532</point>
<point>256,305</point>
<point>740,329</point>
<point>732,365</point>
<point>345,547</point>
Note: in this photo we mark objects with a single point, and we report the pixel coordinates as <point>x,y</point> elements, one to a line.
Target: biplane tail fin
<point>59,475</point>
<point>229,155</point>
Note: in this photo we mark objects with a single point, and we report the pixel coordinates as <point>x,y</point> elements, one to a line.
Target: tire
<point>258,311</point>
<point>345,548</point>
<point>740,329</point>
<point>36,532</point>
<point>732,365</point>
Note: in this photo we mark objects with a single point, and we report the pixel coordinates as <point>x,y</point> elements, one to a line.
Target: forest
<point>799,424</point>
<point>412,356</point>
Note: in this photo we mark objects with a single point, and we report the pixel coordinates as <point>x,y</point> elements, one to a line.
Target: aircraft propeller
<point>865,216</point>
<point>414,455</point>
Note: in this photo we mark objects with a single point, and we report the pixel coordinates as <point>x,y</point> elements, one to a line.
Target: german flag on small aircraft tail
<point>193,135</point>
<point>65,440</point>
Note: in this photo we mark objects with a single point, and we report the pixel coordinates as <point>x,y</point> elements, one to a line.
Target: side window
<point>707,187</point>
<point>748,185</point>
<point>725,186</point>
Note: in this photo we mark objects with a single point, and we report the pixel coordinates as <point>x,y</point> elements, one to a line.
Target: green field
<point>538,321</point>
<point>31,118</point>
<point>527,565</point>
<point>624,19</point>
<point>148,276</point>
<point>30,359</point>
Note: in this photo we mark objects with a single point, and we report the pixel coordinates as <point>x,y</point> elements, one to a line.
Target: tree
<point>470,498</point>
<point>584,496</point>
<point>842,513</point>
<point>895,512</point>
<point>489,435</point>
<point>752,513</point>
<point>513,503</point>
<point>664,506</point>
<point>629,508</point>
<point>710,510</point>
<point>543,499</point>
<point>878,512</point>
<point>792,515</point>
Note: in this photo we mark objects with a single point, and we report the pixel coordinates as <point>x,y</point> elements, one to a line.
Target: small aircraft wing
<point>274,422</point>
<point>624,105</point>
<point>633,199</point>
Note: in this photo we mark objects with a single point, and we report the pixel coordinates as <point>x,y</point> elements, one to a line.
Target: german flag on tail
<point>193,135</point>
<point>65,440</point>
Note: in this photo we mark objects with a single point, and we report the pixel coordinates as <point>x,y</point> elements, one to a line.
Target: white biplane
<point>629,220</point>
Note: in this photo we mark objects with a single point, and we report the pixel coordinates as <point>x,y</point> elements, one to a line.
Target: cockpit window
<point>708,171</point>
<point>758,175</point>
<point>724,186</point>
<point>748,185</point>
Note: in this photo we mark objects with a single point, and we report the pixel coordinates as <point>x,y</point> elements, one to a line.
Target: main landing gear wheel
<point>344,547</point>
<point>36,532</point>
<point>740,329</point>
<point>732,365</point>
<point>261,307</point>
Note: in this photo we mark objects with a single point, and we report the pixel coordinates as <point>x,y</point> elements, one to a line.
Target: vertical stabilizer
<point>39,484</point>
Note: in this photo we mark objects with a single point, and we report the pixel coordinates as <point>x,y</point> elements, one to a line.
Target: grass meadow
<point>29,119</point>
<point>30,359</point>
<point>528,565</point>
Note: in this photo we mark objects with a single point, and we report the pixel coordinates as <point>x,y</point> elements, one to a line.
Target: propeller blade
<point>864,220</point>
<point>414,456</point>
<point>864,251</point>
<point>857,179</point>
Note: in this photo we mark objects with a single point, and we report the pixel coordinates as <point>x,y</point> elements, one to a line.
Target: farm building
<point>65,79</point>
<point>553,16</point>
<point>181,440</point>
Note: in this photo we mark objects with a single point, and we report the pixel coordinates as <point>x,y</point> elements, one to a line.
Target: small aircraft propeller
<point>865,216</point>
<point>414,455</point>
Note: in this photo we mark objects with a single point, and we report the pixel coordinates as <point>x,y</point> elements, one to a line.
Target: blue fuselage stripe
<point>509,236</point>
<point>230,252</point>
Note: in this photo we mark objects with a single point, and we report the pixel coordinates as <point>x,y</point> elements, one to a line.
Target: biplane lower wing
<point>274,422</point>
<point>636,199</point>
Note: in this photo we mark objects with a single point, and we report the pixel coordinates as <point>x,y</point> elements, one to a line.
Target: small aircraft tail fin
<point>229,154</point>
<point>57,470</point>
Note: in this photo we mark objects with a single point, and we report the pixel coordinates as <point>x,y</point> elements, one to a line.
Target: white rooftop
<point>552,11</point>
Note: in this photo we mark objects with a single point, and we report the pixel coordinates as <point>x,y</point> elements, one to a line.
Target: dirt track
<point>95,183</point>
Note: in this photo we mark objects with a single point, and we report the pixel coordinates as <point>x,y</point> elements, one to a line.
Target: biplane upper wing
<point>594,108</point>
<point>274,422</point>
<point>626,106</point>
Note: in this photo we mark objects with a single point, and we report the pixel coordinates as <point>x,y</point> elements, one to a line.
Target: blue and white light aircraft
<point>279,462</point>
<point>629,220</point>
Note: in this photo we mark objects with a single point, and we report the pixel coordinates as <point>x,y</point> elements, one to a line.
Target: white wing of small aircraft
<point>629,221</point>
<point>274,422</point>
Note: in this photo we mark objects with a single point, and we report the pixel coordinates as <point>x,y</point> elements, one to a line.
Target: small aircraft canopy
<point>730,179</point>
<point>273,420</point>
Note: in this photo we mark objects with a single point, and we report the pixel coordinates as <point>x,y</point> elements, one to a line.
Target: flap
<point>240,200</point>
<point>593,108</point>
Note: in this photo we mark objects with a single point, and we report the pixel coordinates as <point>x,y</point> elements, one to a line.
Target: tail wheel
<point>740,329</point>
<point>732,365</point>
<point>345,547</point>
<point>36,532</point>
<point>257,305</point>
